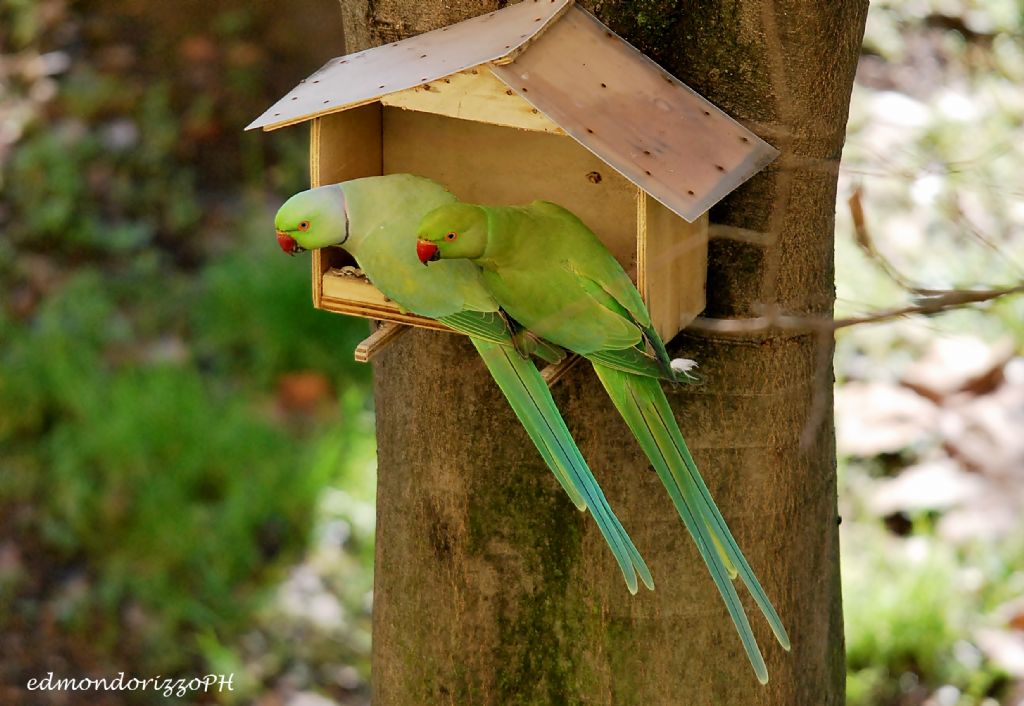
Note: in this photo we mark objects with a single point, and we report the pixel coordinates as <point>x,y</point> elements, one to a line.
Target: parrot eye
<point>451,236</point>
<point>304,226</point>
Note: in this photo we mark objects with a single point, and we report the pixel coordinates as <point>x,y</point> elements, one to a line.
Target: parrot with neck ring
<point>552,274</point>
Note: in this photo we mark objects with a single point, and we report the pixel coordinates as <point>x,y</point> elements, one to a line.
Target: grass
<point>175,487</point>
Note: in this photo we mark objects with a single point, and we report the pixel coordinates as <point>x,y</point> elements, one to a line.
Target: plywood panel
<point>357,297</point>
<point>365,76</point>
<point>475,94</point>
<point>672,258</point>
<point>493,165</point>
<point>341,147</point>
<point>346,145</point>
<point>654,129</point>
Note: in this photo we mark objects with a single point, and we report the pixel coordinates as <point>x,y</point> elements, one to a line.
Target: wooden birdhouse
<point>538,100</point>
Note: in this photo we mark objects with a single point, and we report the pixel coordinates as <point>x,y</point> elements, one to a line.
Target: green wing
<point>626,302</point>
<point>593,261</point>
<point>617,327</point>
<point>596,267</point>
<point>489,326</point>
<point>493,327</point>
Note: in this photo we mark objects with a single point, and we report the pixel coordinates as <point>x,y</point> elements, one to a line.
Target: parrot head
<point>452,231</point>
<point>312,219</point>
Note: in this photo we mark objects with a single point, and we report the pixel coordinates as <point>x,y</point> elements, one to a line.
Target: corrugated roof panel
<point>655,130</point>
<point>365,76</point>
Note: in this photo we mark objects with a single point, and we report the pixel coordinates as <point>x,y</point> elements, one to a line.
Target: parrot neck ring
<point>288,243</point>
<point>427,252</point>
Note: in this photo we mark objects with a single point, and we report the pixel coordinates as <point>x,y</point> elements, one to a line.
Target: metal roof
<point>651,127</point>
<point>643,122</point>
<point>363,77</point>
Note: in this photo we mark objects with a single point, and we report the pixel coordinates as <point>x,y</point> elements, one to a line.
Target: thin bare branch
<point>927,304</point>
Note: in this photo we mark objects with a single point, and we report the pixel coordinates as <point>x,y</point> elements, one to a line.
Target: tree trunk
<point>490,588</point>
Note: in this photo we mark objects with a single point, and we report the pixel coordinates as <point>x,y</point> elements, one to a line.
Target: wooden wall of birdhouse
<point>488,162</point>
<point>538,100</point>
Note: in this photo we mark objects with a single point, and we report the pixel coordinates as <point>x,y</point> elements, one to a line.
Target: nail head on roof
<point>327,101</point>
<point>590,131</point>
<point>707,113</point>
<point>647,151</point>
<point>745,139</point>
<point>423,56</point>
<point>719,167</point>
<point>690,192</point>
<point>647,172</point>
<point>604,85</point>
<point>316,80</point>
<point>594,177</point>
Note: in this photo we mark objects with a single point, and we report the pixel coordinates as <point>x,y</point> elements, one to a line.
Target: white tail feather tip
<point>683,365</point>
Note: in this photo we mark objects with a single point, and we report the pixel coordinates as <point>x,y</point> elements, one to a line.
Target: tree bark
<point>489,587</point>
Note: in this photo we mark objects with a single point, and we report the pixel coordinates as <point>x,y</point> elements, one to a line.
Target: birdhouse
<point>538,100</point>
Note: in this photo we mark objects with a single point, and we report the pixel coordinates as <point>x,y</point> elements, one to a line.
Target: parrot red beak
<point>288,243</point>
<point>427,251</point>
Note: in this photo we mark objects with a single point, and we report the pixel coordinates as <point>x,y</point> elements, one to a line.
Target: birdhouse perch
<point>538,100</point>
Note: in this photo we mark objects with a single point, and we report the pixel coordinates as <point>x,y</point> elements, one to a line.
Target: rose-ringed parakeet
<point>375,219</point>
<point>554,276</point>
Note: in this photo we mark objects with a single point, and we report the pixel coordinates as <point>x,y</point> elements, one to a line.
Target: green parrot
<point>552,275</point>
<point>375,219</point>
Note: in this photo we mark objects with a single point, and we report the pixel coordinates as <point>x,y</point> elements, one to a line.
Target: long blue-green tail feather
<point>530,399</point>
<point>642,403</point>
<point>732,550</point>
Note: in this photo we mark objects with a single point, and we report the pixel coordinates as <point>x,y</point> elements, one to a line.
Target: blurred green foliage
<point>935,143</point>
<point>88,190</point>
<point>159,475</point>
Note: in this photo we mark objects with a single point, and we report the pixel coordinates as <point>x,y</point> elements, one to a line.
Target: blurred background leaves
<point>930,410</point>
<point>186,449</point>
<point>186,454</point>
